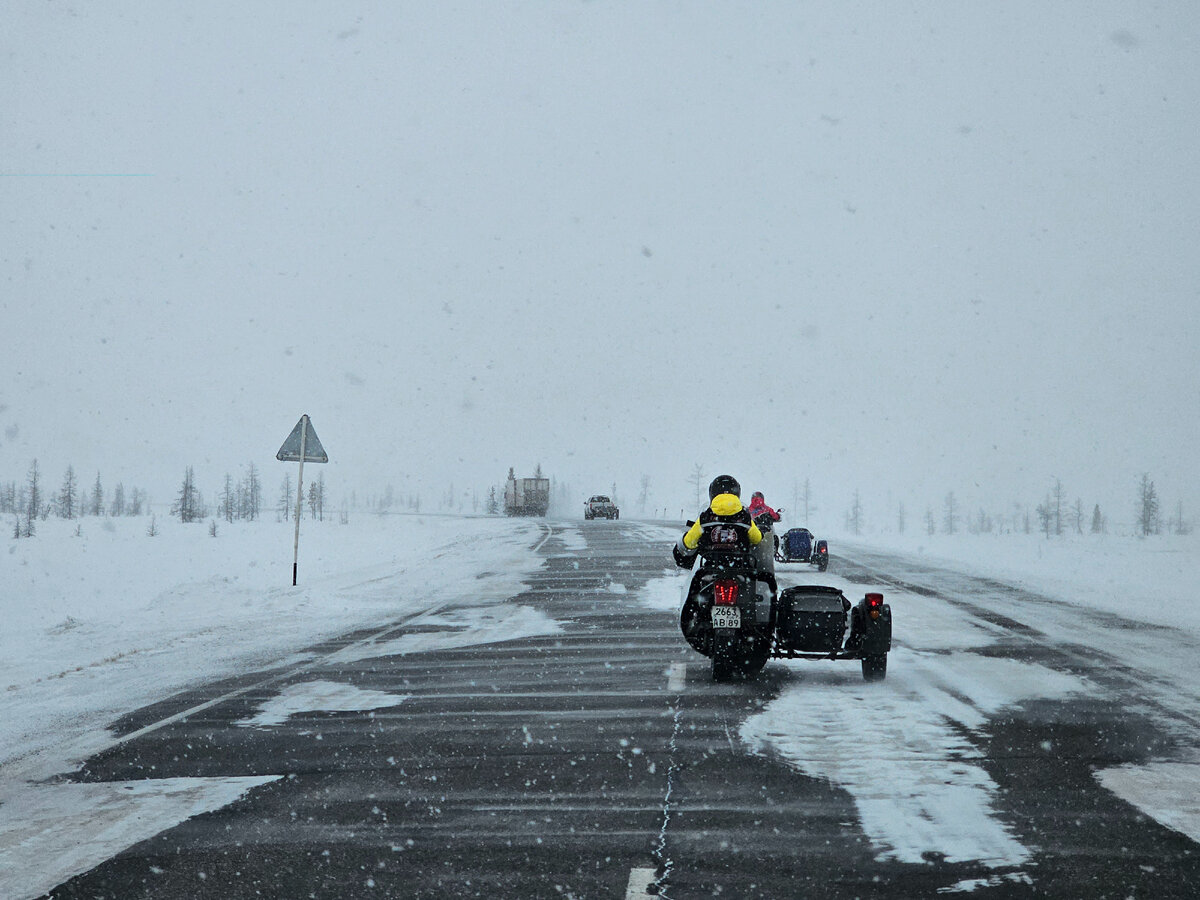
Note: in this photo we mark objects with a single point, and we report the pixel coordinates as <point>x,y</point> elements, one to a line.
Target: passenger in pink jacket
<point>758,507</point>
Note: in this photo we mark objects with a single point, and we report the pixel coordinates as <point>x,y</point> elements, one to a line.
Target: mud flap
<point>696,626</point>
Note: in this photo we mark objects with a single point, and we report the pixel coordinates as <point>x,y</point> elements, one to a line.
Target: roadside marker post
<point>301,445</point>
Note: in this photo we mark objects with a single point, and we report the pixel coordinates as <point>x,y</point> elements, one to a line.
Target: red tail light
<point>725,592</point>
<point>874,605</point>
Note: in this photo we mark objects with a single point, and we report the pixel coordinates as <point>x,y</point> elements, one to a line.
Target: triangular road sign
<point>313,451</point>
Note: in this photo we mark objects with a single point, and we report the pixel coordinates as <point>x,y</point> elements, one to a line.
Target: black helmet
<point>724,484</point>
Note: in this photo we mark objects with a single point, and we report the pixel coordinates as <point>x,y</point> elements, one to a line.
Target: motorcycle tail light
<point>874,605</point>
<point>725,592</point>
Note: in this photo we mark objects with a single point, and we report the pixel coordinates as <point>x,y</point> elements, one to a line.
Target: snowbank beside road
<point>103,622</point>
<point>1149,580</point>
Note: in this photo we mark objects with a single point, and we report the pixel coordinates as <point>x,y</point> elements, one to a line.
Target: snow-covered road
<point>1013,728</point>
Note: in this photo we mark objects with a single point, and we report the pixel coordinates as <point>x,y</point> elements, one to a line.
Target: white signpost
<point>301,445</point>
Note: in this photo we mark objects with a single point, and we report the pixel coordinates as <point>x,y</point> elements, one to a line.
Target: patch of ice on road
<point>465,627</point>
<point>615,587</point>
<point>900,750</point>
<point>665,593</point>
<point>1167,792</point>
<point>319,696</point>
<point>50,833</point>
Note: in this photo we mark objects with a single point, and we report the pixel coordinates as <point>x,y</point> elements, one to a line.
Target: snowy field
<point>102,622</point>
<point>1148,580</point>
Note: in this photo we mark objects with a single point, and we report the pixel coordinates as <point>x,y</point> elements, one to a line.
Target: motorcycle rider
<point>724,526</point>
<point>758,508</point>
<point>723,534</point>
<point>764,517</point>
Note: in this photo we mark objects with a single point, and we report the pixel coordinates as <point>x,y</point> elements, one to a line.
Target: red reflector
<point>874,600</point>
<point>725,593</point>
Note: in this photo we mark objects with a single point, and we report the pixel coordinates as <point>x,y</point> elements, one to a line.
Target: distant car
<point>601,507</point>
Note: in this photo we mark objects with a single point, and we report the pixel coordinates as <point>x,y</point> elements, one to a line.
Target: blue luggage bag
<point>797,544</point>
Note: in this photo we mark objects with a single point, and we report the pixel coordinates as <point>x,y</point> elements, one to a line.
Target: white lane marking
<point>51,833</point>
<point>549,534</point>
<point>639,883</point>
<point>1167,792</point>
<point>676,677</point>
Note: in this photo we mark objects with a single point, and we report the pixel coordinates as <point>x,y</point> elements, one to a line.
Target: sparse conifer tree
<point>118,503</point>
<point>68,495</point>
<point>228,499</point>
<point>187,504</point>
<point>33,500</point>
<point>1097,520</point>
<point>253,492</point>
<point>493,505</point>
<point>930,523</point>
<point>900,518</point>
<point>96,506</point>
<point>8,497</point>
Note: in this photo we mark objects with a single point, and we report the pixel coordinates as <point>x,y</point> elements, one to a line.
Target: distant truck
<point>526,496</point>
<point>601,507</point>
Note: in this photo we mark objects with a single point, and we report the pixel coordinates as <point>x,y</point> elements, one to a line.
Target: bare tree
<point>118,504</point>
<point>696,479</point>
<point>285,498</point>
<point>854,516</point>
<point>1046,515</point>
<point>1148,521</point>
<point>1181,527</point>
<point>253,492</point>
<point>316,497</point>
<point>1057,498</point>
<point>950,514</point>
<point>802,500</point>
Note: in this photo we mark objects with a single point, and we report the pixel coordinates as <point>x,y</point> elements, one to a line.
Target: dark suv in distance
<point>600,507</point>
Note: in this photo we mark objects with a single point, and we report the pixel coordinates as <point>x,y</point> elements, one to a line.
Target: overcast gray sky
<point>903,248</point>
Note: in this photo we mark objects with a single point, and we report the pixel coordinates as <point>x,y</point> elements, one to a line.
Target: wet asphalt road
<point>589,763</point>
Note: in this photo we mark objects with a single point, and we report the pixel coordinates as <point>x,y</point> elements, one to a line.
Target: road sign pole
<point>299,500</point>
<point>298,447</point>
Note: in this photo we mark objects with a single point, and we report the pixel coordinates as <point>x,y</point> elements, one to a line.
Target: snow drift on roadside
<point>104,622</point>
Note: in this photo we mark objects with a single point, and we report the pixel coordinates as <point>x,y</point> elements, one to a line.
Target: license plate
<point>726,617</point>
